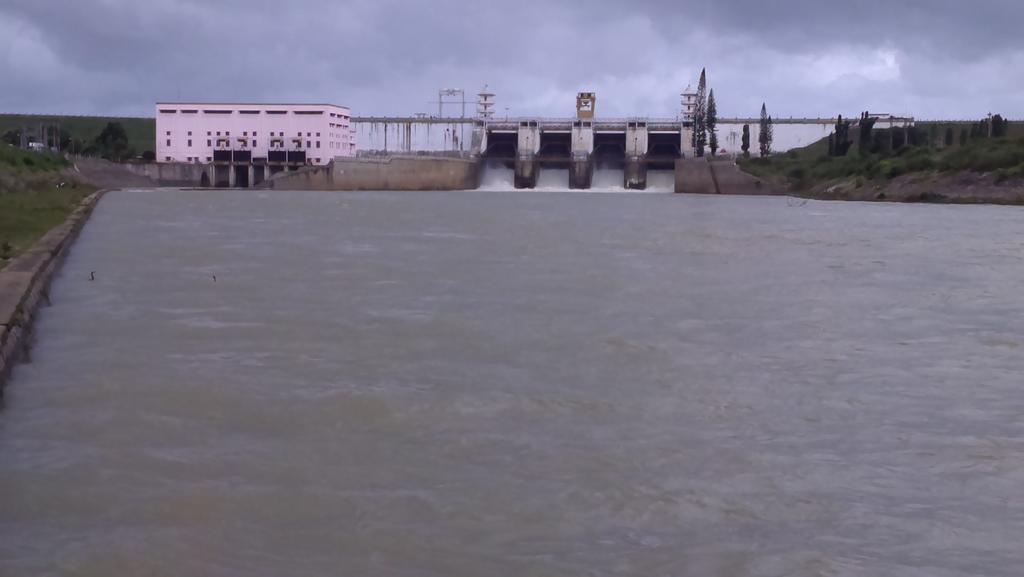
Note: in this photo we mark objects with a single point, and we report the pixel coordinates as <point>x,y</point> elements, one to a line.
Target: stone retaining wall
<point>25,285</point>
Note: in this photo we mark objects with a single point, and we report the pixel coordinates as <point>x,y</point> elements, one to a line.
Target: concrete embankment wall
<point>390,173</point>
<point>700,176</point>
<point>175,173</point>
<point>731,180</point>
<point>25,285</point>
<point>106,174</point>
<point>693,176</point>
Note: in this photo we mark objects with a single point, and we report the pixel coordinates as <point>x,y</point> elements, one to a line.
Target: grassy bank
<point>809,170</point>
<point>32,200</point>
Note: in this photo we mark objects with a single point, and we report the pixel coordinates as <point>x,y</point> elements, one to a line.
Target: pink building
<point>278,136</point>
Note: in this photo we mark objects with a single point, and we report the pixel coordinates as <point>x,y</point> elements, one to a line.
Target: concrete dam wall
<point>386,173</point>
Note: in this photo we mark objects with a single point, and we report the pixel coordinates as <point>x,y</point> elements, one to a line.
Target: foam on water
<point>557,180</point>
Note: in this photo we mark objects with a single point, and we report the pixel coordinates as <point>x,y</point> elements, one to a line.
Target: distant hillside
<point>141,131</point>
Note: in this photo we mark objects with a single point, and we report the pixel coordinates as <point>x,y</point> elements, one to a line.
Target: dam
<point>425,152</point>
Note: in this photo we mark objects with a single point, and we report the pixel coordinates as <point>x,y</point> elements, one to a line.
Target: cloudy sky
<point>928,58</point>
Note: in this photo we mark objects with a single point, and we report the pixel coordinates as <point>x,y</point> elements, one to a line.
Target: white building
<point>255,134</point>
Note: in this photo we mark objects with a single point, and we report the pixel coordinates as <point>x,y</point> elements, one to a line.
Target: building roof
<point>250,104</point>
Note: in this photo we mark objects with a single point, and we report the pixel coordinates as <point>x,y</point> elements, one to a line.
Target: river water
<point>510,384</point>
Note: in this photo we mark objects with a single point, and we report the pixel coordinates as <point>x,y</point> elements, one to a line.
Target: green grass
<point>808,167</point>
<point>141,131</point>
<point>30,201</point>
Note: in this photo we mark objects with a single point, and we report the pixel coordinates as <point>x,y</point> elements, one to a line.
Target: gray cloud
<point>930,58</point>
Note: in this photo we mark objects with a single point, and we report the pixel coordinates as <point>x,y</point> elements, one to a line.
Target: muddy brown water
<point>508,384</point>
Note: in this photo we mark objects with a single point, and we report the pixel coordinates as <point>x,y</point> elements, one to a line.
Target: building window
<point>318,134</point>
<point>246,133</point>
<point>209,158</point>
<point>209,142</point>
<point>308,144</point>
<point>254,143</point>
<point>190,133</point>
<point>308,134</point>
<point>190,143</point>
<point>299,133</point>
<point>167,158</point>
<point>168,133</point>
<point>318,144</point>
<point>208,133</point>
<point>227,133</point>
<point>168,142</point>
<point>218,133</point>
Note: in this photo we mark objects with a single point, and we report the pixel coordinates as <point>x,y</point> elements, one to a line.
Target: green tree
<point>764,137</point>
<point>112,142</point>
<point>746,141</point>
<point>949,136</point>
<point>711,123</point>
<point>963,137</point>
<point>700,135</point>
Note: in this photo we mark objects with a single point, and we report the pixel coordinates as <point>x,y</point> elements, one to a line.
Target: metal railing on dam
<point>515,120</point>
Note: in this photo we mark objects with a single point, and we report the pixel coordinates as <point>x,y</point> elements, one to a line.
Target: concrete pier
<point>581,167</point>
<point>528,144</point>
<point>526,171</point>
<point>635,174</point>
<point>581,171</point>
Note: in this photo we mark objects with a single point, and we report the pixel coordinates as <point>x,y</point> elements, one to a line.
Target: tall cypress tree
<point>841,143</point>
<point>711,123</point>
<point>865,142</point>
<point>700,136</point>
<point>764,137</point>
<point>999,126</point>
<point>746,140</point>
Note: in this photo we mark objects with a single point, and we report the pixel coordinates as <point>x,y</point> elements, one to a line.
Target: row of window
<point>246,133</point>
<point>210,159</point>
<point>273,143</point>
